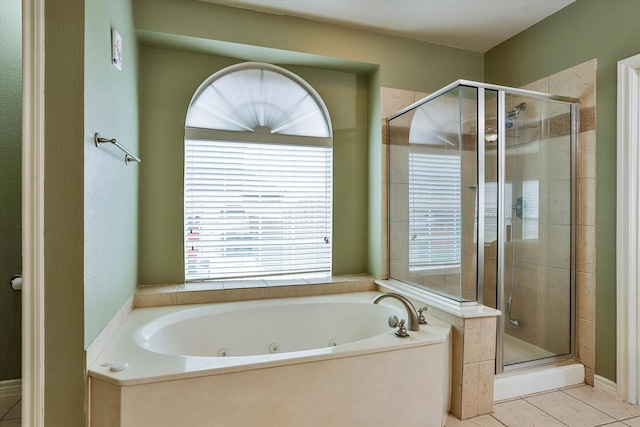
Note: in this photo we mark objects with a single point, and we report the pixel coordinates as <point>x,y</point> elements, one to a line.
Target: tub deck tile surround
<point>153,296</point>
<point>473,348</point>
<point>241,290</point>
<point>100,342</point>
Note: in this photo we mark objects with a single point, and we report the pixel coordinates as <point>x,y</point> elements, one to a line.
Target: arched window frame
<point>260,134</point>
<point>243,133</point>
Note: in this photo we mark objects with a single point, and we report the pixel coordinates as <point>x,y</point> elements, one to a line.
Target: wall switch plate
<point>116,49</point>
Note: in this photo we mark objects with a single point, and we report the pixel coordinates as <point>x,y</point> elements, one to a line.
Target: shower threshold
<point>521,382</point>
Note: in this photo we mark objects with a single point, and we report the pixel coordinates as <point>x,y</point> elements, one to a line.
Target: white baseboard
<point>11,388</point>
<point>605,385</point>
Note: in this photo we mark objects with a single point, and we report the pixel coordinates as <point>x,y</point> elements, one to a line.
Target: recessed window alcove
<point>258,177</point>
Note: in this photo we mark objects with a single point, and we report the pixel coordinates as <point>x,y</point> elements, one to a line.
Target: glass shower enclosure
<point>482,202</point>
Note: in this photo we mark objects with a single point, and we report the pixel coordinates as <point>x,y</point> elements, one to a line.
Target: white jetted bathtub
<point>309,361</point>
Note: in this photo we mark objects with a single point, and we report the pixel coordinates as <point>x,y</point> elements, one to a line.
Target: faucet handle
<point>421,318</point>
<point>402,331</point>
<point>393,323</point>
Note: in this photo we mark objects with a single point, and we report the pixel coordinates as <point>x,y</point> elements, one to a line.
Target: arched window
<point>258,176</point>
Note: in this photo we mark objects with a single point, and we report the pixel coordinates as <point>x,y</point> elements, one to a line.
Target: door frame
<point>628,231</point>
<point>33,213</point>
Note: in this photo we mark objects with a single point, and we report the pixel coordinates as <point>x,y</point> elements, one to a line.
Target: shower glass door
<point>536,299</point>
<point>482,202</point>
<point>433,192</point>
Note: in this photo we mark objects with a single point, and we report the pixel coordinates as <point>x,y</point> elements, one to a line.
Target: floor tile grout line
<point>545,412</point>
<point>591,406</point>
<point>624,421</point>
<point>498,420</point>
<point>595,398</point>
<point>598,409</point>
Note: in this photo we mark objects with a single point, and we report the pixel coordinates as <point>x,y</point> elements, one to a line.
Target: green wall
<point>245,34</point>
<point>63,213</point>
<point>110,186</point>
<point>169,80</point>
<point>90,195</point>
<point>376,179</point>
<point>187,41</point>
<point>608,31</point>
<point>10,185</point>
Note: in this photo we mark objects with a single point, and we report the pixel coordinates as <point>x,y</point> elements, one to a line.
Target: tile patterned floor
<point>10,411</point>
<point>579,406</point>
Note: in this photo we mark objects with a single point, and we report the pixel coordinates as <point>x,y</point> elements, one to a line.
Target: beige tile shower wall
<point>393,100</point>
<point>473,367</point>
<point>541,266</point>
<point>576,82</point>
<point>541,297</point>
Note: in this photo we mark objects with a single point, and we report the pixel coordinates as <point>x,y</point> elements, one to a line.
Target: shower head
<point>511,115</point>
<point>520,107</point>
<point>508,124</point>
<point>491,134</point>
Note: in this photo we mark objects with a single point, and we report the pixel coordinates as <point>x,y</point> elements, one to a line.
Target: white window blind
<point>259,96</point>
<point>491,209</point>
<point>251,98</point>
<point>435,214</point>
<point>256,209</point>
<point>258,176</point>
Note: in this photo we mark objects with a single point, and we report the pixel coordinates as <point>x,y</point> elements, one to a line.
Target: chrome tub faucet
<point>413,324</point>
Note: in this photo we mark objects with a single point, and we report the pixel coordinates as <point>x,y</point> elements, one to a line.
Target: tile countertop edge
<point>466,311</point>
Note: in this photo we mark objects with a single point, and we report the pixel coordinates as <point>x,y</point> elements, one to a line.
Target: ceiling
<point>476,25</point>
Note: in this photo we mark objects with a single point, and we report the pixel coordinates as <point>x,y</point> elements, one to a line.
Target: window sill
<point>242,290</point>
